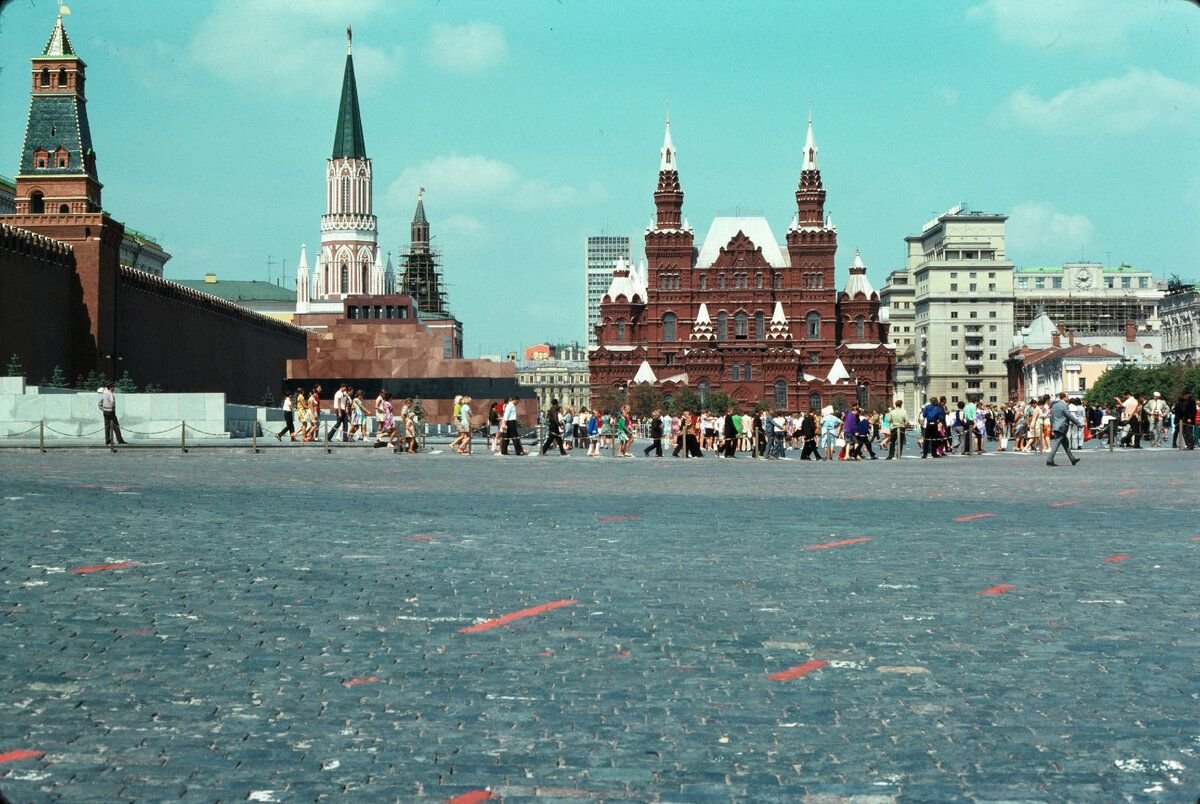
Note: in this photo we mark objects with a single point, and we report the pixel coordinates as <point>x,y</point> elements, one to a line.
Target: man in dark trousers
<point>656,434</point>
<point>554,428</point>
<point>933,415</point>
<point>1061,419</point>
<point>512,433</point>
<point>898,418</point>
<point>730,434</point>
<point>1185,422</point>
<point>808,434</point>
<point>108,407</point>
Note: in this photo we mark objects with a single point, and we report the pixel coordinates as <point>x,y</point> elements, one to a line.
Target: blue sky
<point>532,125</point>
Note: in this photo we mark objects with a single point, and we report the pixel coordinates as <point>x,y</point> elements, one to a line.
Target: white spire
<point>838,373</point>
<point>668,149</point>
<point>623,283</point>
<point>302,297</point>
<point>318,284</point>
<point>389,276</point>
<point>702,328</point>
<point>858,282</point>
<point>810,146</point>
<point>829,222</point>
<point>645,374</point>
<point>377,275</point>
<point>687,227</point>
<point>779,329</point>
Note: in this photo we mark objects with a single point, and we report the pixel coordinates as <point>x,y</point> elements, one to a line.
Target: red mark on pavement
<point>1196,538</point>
<point>619,518</point>
<point>18,755</point>
<point>621,654</point>
<point>1064,504</point>
<point>998,589</point>
<point>842,543</point>
<point>516,615</point>
<point>474,797</point>
<point>972,517</point>
<point>799,671</point>
<point>358,682</point>
<point>1115,559</point>
<point>420,538</point>
<point>103,567</point>
<point>1126,492</point>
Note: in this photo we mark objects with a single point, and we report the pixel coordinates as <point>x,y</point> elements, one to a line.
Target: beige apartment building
<point>963,306</point>
<point>898,299</point>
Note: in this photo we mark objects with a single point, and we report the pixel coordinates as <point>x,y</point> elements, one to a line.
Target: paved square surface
<point>295,625</point>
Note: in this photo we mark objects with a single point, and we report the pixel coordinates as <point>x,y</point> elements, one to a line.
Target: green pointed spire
<point>348,142</point>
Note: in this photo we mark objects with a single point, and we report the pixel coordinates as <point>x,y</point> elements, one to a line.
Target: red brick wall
<point>36,278</point>
<point>183,340</point>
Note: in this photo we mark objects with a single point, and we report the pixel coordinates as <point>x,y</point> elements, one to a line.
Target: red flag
<point>1087,433</point>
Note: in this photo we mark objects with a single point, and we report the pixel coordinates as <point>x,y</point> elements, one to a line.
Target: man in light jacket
<point>898,418</point>
<point>1061,419</point>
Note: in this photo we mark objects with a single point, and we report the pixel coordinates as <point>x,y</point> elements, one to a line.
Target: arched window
<point>621,330</point>
<point>668,326</point>
<point>813,325</point>
<point>62,76</point>
<point>760,325</point>
<point>45,77</point>
<point>860,326</point>
<point>721,281</point>
<point>64,209</point>
<point>364,278</point>
<point>722,326</point>
<point>703,388</point>
<point>345,194</point>
<point>345,278</point>
<point>741,323</point>
<point>704,281</point>
<point>780,395</point>
<point>814,402</point>
<point>37,203</point>
<point>758,280</point>
<point>779,281</point>
<point>747,374</point>
<point>737,372</point>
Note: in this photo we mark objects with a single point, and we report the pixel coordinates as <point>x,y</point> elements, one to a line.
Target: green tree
<point>609,399</point>
<point>15,369</point>
<point>718,401</point>
<point>152,388</point>
<point>418,410</point>
<point>684,398</point>
<point>268,399</point>
<point>1169,380</point>
<point>644,399</point>
<point>58,379</point>
<point>126,385</point>
<point>91,381</point>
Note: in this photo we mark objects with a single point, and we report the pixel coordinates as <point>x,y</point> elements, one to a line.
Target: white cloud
<point>290,45</point>
<point>948,95</point>
<point>459,224</point>
<point>1036,231</point>
<point>1135,102</point>
<point>470,181</point>
<point>472,48</point>
<point>1064,23</point>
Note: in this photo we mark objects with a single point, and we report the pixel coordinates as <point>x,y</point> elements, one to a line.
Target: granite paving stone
<point>296,626</point>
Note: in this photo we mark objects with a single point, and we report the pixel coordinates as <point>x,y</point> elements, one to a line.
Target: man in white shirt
<point>339,413</point>
<point>512,433</point>
<point>108,407</point>
<point>1156,408</point>
<point>289,422</point>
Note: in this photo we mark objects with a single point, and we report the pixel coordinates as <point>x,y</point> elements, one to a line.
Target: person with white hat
<point>1156,408</point>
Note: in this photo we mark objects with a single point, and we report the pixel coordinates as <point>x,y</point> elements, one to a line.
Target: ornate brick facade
<point>758,320</point>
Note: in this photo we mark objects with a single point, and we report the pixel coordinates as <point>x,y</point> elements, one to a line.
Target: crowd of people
<point>855,433</point>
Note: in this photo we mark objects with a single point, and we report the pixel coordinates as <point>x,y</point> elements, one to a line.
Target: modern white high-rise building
<point>600,256</point>
<point>963,307</point>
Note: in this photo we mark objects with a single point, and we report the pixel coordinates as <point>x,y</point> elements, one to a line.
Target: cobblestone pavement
<point>295,625</point>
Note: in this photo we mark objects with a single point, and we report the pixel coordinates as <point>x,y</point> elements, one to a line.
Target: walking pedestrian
<point>554,429</point>
<point>656,435</point>
<point>512,433</point>
<point>898,418</point>
<point>289,420</point>
<point>1061,418</point>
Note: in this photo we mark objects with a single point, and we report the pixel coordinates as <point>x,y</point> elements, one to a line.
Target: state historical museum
<point>744,314</point>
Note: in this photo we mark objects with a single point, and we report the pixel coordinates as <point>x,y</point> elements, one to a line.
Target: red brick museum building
<point>759,320</point>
